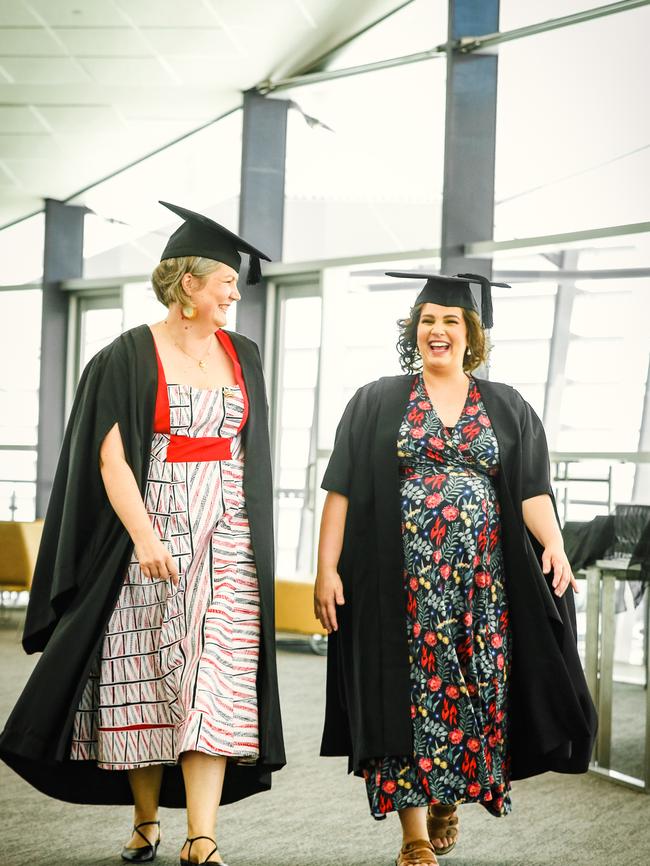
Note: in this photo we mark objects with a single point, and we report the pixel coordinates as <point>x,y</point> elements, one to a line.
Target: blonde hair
<point>407,343</point>
<point>167,278</point>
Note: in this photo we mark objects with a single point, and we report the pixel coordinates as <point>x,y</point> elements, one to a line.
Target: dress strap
<point>161,414</point>
<point>227,344</point>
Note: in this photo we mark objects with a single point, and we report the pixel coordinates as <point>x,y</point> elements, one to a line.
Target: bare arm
<point>328,590</point>
<point>540,519</point>
<point>124,495</point>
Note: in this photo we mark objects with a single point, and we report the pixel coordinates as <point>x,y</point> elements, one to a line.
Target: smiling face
<point>213,295</point>
<point>442,337</point>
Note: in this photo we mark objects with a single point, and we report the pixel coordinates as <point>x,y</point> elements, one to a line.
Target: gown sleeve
<point>535,463</point>
<point>338,475</point>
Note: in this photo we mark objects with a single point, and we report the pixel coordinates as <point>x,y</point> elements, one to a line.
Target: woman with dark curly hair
<point>452,664</point>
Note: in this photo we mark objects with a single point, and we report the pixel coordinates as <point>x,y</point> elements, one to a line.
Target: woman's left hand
<point>554,559</point>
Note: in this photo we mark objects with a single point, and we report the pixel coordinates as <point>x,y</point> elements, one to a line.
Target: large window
<point>364,164</point>
<point>573,130</point>
<point>20,311</point>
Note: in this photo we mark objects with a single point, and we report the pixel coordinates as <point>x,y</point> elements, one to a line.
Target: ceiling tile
<point>48,71</point>
<point>103,41</point>
<point>192,41</point>
<point>269,17</point>
<point>36,146</point>
<point>65,119</point>
<point>171,13</point>
<point>137,71</point>
<point>18,118</point>
<point>191,111</point>
<point>7,179</point>
<point>15,14</point>
<point>78,13</point>
<point>206,72</point>
<point>26,42</point>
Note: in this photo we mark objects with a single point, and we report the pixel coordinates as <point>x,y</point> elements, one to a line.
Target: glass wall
<point>572,130</point>
<point>521,337</point>
<point>21,252</point>
<point>417,26</point>
<point>20,349</point>
<point>294,415</point>
<point>364,164</point>
<point>521,13</point>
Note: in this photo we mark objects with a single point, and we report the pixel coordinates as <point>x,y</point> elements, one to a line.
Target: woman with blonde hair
<point>152,601</point>
<point>452,662</point>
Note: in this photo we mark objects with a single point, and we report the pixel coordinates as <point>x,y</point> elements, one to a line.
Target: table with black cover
<point>609,549</point>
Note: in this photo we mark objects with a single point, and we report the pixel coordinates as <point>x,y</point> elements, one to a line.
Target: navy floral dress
<point>456,615</point>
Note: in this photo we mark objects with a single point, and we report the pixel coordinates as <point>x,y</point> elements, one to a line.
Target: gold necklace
<point>203,362</point>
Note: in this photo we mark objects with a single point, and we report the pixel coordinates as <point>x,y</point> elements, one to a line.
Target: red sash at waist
<point>188,449</point>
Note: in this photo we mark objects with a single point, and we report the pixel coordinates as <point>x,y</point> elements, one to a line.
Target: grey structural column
<point>62,260</point>
<point>261,203</point>
<point>470,130</point>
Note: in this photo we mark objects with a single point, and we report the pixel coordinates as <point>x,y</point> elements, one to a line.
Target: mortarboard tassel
<point>487,319</point>
<point>254,274</point>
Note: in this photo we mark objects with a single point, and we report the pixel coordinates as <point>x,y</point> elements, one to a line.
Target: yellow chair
<point>294,612</point>
<point>18,549</point>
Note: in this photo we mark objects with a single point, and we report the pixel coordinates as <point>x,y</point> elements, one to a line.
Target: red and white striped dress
<point>178,666</point>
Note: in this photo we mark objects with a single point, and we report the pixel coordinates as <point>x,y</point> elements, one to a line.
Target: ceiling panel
<point>15,146</point>
<point>18,118</point>
<point>246,13</point>
<point>192,41</point>
<point>7,181</point>
<point>28,42</point>
<point>62,119</point>
<point>205,71</point>
<point>102,41</point>
<point>47,71</point>
<point>138,71</point>
<point>190,13</point>
<point>15,14</point>
<point>89,86</point>
<point>78,13</point>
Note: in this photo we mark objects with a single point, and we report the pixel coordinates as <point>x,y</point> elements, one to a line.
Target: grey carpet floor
<point>316,815</point>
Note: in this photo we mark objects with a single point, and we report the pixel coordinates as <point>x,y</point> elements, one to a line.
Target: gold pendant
<point>202,365</point>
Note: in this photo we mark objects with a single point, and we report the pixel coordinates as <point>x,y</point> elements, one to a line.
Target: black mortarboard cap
<point>201,236</point>
<point>454,291</point>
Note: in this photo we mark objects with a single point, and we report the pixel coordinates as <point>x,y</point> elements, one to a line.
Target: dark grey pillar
<point>261,203</point>
<point>62,260</point>
<point>468,191</point>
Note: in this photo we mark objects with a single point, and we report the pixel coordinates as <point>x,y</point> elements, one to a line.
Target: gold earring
<point>188,311</point>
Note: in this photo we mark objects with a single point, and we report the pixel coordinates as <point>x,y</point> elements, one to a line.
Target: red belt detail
<point>188,449</point>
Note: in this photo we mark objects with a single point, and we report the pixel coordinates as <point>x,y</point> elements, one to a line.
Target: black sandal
<point>188,862</point>
<point>145,853</point>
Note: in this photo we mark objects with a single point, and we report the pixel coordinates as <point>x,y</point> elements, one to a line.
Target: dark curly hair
<point>407,342</point>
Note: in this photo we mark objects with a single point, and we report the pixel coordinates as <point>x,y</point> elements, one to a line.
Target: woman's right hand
<point>155,560</point>
<point>328,592</point>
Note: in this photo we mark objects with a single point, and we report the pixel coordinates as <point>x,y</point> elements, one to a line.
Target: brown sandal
<point>442,822</point>
<point>420,851</point>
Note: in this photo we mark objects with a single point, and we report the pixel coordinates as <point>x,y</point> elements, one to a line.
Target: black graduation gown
<point>551,715</point>
<point>81,563</point>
